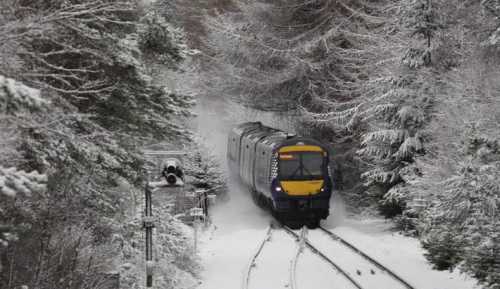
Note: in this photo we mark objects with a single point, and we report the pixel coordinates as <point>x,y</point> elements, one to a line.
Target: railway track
<point>300,249</point>
<point>324,257</point>
<point>276,253</point>
<point>383,269</point>
<point>348,260</point>
<point>251,264</point>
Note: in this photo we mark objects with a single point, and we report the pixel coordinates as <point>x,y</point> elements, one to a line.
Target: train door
<point>253,169</point>
<point>239,133</point>
<point>261,167</point>
<point>244,155</point>
<point>232,146</point>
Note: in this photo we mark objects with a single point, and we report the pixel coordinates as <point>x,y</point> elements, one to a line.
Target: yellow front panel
<point>300,148</point>
<point>301,188</point>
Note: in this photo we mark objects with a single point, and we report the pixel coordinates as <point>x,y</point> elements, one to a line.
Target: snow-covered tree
<point>15,98</point>
<point>492,8</point>
<point>395,137</point>
<point>13,182</point>
<point>90,53</point>
<point>205,172</point>
<point>399,103</point>
<point>459,175</point>
<point>88,61</point>
<point>282,55</point>
<point>463,223</point>
<point>420,18</point>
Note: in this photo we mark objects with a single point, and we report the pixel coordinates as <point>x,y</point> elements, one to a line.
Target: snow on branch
<point>14,95</point>
<point>378,175</point>
<point>50,36</point>
<point>93,10</point>
<point>13,181</point>
<point>341,117</point>
<point>390,136</point>
<point>409,147</point>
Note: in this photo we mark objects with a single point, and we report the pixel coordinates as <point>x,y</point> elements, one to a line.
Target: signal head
<point>171,179</point>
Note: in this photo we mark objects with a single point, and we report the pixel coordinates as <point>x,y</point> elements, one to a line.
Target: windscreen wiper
<point>309,174</point>
<point>295,172</point>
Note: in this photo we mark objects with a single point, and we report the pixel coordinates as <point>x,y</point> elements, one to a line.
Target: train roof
<point>297,140</point>
<point>275,137</point>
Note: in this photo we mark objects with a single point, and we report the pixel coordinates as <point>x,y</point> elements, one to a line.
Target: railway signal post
<point>148,224</point>
<point>170,176</point>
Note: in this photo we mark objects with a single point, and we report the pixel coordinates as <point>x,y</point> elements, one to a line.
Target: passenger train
<point>289,175</point>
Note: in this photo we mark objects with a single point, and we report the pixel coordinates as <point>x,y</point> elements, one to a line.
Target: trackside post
<point>169,174</point>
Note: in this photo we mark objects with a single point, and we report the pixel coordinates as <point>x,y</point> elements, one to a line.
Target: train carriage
<point>288,175</point>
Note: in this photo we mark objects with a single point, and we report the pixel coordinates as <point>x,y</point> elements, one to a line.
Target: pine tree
<point>400,109</point>
<point>463,188</point>
<point>88,60</point>
<point>16,98</point>
<point>420,18</point>
<point>12,183</point>
<point>482,251</point>
<point>443,247</point>
<point>394,139</point>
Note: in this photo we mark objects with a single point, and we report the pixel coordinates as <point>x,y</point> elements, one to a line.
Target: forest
<point>405,91</point>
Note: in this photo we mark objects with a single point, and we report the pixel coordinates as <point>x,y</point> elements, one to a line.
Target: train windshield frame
<point>301,166</point>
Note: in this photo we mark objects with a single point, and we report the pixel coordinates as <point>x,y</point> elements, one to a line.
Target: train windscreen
<point>301,166</point>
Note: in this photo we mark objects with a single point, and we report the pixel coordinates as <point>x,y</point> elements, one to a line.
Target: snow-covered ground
<point>226,249</point>
<point>403,255</point>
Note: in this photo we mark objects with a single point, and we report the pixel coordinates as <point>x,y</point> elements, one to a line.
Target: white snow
<point>402,254</point>
<point>313,273</point>
<point>226,249</point>
<point>272,267</point>
<point>9,88</point>
<point>240,227</point>
<point>354,264</point>
<point>13,181</point>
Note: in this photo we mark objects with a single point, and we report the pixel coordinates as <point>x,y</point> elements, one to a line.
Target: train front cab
<point>301,186</point>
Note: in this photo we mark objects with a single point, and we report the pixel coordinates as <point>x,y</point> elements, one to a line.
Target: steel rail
<point>324,257</point>
<point>300,249</point>
<point>251,264</point>
<point>367,257</point>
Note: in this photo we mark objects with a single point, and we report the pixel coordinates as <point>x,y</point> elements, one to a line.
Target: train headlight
<point>322,190</point>
<point>278,189</point>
